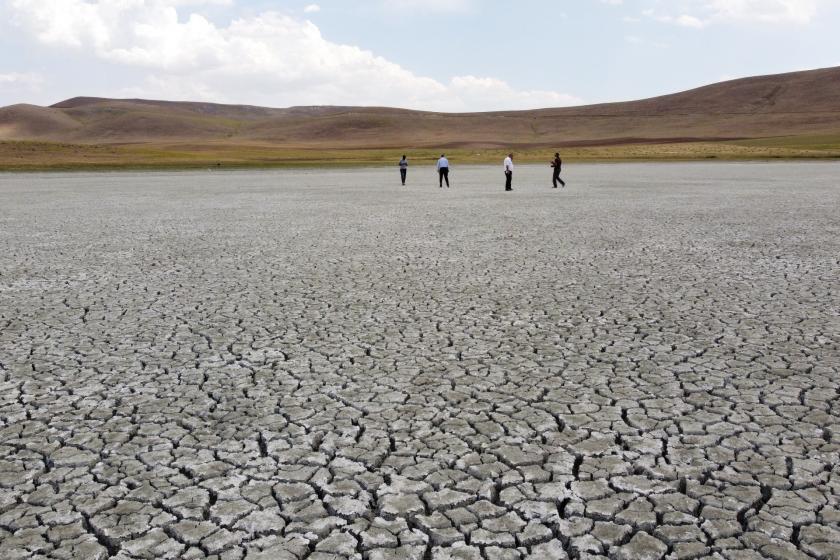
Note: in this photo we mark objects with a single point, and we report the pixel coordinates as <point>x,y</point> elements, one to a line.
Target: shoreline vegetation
<point>57,156</point>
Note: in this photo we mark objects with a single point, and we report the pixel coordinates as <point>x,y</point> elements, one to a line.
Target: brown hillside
<point>799,103</point>
<point>24,122</point>
<point>795,92</point>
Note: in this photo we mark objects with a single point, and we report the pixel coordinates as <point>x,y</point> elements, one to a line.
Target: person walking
<point>403,169</point>
<point>443,170</point>
<point>509,172</point>
<point>557,164</point>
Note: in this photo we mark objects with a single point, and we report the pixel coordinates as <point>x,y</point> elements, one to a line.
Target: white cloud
<point>636,40</point>
<point>429,5</point>
<point>312,9</point>
<point>701,13</point>
<point>684,20</point>
<point>28,80</point>
<point>493,93</point>
<point>769,11</point>
<point>202,2</point>
<point>268,59</point>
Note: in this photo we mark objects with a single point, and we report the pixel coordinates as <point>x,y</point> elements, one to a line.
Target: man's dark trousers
<point>508,180</point>
<point>444,174</point>
<point>556,178</point>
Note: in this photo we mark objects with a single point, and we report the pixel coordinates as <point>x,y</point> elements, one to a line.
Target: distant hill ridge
<point>797,103</point>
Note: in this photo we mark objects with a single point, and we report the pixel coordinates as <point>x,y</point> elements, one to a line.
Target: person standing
<point>403,169</point>
<point>509,172</point>
<point>443,170</point>
<point>557,164</point>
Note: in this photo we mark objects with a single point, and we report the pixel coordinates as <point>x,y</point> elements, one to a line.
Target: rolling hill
<point>794,105</point>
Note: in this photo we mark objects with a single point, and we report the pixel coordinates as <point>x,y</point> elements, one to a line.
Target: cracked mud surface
<point>290,365</point>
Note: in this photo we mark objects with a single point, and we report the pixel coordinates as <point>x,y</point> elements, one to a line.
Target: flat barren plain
<point>325,365</point>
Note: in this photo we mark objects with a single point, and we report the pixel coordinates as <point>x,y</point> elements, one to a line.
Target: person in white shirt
<point>443,170</point>
<point>509,172</point>
<point>403,169</point>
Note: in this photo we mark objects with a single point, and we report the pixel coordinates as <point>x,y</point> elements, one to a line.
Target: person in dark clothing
<point>443,170</point>
<point>509,172</point>
<point>557,164</point>
<point>403,169</point>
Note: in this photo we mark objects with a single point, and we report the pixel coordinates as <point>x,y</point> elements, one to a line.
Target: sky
<point>442,55</point>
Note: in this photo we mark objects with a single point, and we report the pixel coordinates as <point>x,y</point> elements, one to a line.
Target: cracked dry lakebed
<point>288,365</point>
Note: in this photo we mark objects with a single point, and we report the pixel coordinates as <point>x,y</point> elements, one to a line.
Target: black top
<point>558,164</point>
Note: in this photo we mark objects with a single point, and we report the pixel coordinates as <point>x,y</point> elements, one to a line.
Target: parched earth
<point>325,365</point>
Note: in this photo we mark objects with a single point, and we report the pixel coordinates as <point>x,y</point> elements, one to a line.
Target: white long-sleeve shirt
<point>442,162</point>
<point>508,164</point>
